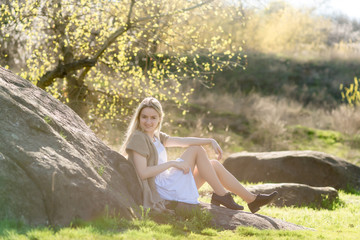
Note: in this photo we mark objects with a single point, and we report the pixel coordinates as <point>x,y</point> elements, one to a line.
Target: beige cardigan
<point>141,143</point>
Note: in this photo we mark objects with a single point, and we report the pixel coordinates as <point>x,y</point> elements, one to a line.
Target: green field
<point>340,221</point>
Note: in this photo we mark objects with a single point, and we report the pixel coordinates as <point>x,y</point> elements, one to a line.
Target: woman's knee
<point>216,164</point>
<point>192,153</point>
<point>197,149</point>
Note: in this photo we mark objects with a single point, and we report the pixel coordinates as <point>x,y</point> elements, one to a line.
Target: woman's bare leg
<point>228,181</point>
<point>231,183</point>
<point>214,173</point>
<point>197,158</point>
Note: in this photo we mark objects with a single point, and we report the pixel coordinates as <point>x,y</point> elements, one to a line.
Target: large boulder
<point>52,166</point>
<point>298,195</point>
<point>306,167</point>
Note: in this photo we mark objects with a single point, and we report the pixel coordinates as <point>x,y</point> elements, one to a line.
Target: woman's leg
<point>231,183</point>
<point>197,158</point>
<point>227,180</point>
<point>213,172</point>
<point>219,177</point>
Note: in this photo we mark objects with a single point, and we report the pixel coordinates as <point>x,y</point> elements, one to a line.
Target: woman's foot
<point>261,200</point>
<point>226,201</point>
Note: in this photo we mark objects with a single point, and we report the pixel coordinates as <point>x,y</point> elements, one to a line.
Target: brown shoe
<point>226,201</point>
<point>261,200</point>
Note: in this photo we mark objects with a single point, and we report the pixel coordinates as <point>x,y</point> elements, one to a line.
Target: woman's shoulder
<point>163,137</point>
<point>138,135</point>
<point>138,143</point>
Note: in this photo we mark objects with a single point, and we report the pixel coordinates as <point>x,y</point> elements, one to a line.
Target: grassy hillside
<point>257,123</point>
<point>275,104</point>
<point>315,82</point>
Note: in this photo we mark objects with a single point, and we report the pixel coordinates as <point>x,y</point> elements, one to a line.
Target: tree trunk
<point>77,93</point>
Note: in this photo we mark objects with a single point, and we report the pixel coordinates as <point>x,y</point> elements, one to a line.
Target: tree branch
<point>109,41</point>
<point>62,69</point>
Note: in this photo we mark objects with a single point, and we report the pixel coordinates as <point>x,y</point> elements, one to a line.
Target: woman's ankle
<point>250,198</point>
<point>221,193</point>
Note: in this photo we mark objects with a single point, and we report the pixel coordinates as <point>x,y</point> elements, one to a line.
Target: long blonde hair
<point>135,122</point>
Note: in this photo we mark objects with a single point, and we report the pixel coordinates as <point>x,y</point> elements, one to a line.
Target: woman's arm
<point>145,171</point>
<point>191,141</point>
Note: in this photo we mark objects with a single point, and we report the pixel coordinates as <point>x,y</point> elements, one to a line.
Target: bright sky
<point>351,8</point>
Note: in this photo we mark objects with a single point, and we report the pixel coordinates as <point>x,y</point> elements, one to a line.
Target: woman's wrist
<point>172,163</point>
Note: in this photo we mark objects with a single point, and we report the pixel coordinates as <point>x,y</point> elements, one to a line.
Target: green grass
<point>328,141</point>
<point>342,222</point>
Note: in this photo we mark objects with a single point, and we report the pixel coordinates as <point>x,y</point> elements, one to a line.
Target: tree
<point>101,57</point>
<point>282,29</point>
<point>11,42</point>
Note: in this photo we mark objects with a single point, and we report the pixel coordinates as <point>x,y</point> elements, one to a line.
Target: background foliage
<point>101,57</point>
<point>246,75</point>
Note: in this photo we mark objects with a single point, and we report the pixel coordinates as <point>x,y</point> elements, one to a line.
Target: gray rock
<point>306,167</point>
<point>230,219</point>
<point>52,166</point>
<point>294,194</point>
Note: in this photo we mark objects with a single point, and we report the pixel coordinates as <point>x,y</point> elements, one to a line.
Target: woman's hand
<point>183,166</point>
<point>217,148</point>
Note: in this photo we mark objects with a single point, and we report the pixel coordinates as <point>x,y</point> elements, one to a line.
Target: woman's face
<point>149,120</point>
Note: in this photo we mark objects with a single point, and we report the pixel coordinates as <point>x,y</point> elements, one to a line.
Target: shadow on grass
<point>198,222</point>
<point>17,226</point>
<point>350,189</point>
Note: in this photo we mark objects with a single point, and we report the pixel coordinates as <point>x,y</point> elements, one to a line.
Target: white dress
<point>173,184</point>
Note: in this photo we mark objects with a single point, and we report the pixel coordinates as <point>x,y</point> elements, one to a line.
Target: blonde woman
<point>179,180</point>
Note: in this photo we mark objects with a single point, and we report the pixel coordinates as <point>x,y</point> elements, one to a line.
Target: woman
<point>179,180</point>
